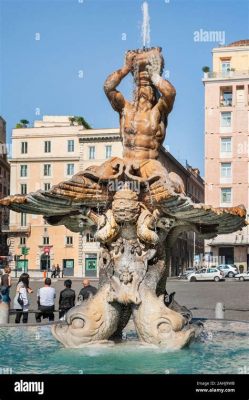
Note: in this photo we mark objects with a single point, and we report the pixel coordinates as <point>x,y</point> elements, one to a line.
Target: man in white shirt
<point>46,296</point>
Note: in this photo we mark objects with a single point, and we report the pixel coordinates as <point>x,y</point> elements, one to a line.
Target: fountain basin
<point>223,348</point>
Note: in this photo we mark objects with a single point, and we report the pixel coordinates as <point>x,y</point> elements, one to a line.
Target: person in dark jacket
<point>86,290</point>
<point>6,285</point>
<point>57,271</point>
<point>67,298</point>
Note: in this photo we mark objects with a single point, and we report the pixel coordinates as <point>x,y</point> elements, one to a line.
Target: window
<point>23,219</point>
<point>47,169</point>
<point>45,240</point>
<point>226,96</point>
<point>226,119</point>
<point>91,152</point>
<point>226,195</point>
<point>47,186</point>
<point>47,146</point>
<point>23,170</point>
<point>108,151</point>
<point>24,147</point>
<point>69,240</point>
<point>90,237</point>
<point>70,146</point>
<point>70,169</point>
<point>226,169</point>
<point>226,145</point>
<point>22,240</point>
<point>23,188</point>
<point>225,67</point>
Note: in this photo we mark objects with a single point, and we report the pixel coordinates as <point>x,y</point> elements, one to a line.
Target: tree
<point>81,121</point>
<point>22,124</point>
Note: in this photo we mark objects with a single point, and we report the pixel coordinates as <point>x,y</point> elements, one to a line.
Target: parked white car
<point>206,274</point>
<point>228,269</point>
<point>185,274</point>
<point>243,277</point>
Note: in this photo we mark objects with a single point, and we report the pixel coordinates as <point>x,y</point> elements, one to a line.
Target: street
<point>199,297</point>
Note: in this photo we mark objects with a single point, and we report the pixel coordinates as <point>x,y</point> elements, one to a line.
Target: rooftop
<point>239,43</point>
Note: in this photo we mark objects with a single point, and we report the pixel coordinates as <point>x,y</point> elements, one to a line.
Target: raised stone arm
<point>116,98</point>
<point>167,90</point>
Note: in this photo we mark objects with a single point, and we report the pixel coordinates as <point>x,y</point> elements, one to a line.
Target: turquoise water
<point>223,348</point>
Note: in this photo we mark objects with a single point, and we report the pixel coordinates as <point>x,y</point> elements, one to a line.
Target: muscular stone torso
<point>142,132</point>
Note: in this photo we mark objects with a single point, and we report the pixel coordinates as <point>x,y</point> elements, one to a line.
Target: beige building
<point>4,190</point>
<point>227,146</point>
<point>50,152</point>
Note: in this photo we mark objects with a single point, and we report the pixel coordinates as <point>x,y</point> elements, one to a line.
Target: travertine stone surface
<point>136,210</point>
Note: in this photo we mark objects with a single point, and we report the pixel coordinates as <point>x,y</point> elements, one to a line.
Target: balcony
<point>226,103</point>
<point>230,240</point>
<point>16,229</point>
<point>226,75</point>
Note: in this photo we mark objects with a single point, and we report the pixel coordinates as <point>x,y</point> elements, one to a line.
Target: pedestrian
<point>58,270</point>
<point>46,296</point>
<point>6,285</point>
<point>87,290</point>
<point>67,298</point>
<point>21,301</point>
<point>53,273</point>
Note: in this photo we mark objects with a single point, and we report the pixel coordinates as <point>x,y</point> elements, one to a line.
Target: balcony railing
<point>226,75</point>
<point>226,103</point>
<point>230,239</point>
<point>16,229</point>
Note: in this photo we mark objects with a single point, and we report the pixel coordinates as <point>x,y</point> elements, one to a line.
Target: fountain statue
<point>136,223</point>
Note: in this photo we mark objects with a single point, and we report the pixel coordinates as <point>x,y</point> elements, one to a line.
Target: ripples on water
<point>222,349</point>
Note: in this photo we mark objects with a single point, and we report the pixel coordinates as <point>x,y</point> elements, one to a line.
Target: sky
<point>56,54</point>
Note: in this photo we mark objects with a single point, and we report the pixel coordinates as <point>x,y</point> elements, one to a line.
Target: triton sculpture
<point>136,228</point>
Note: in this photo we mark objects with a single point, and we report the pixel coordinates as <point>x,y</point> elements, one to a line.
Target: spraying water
<point>146,25</point>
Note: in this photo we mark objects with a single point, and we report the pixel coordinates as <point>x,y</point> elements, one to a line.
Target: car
<point>243,277</point>
<point>206,274</point>
<point>186,273</point>
<point>228,269</point>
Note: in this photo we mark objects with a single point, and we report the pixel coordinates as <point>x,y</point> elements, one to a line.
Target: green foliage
<point>205,69</point>
<point>24,121</point>
<point>81,121</point>
<point>18,126</point>
<point>22,124</point>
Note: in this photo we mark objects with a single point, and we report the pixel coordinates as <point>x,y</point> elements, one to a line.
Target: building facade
<point>227,146</point>
<point>4,191</point>
<point>53,151</point>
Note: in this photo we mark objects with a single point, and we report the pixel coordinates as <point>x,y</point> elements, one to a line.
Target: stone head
<point>125,206</point>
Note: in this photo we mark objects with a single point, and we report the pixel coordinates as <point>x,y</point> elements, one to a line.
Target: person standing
<point>67,298</point>
<point>22,291</point>
<point>58,270</point>
<point>87,290</point>
<point>53,273</point>
<point>6,285</point>
<point>46,296</point>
